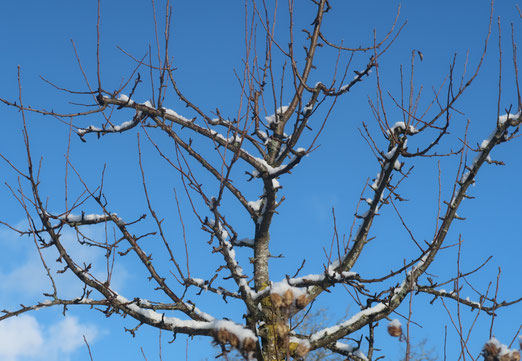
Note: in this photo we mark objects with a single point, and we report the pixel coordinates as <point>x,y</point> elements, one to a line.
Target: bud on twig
<point>302,349</point>
<point>288,298</point>
<point>301,302</point>
<point>223,337</point>
<point>277,300</point>
<point>281,330</point>
<point>495,351</point>
<point>249,345</point>
<point>394,328</point>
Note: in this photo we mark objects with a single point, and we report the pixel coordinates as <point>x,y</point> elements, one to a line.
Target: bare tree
<point>278,121</point>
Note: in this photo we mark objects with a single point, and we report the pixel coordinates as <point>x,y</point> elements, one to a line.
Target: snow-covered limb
<point>50,303</point>
<point>275,172</point>
<point>352,352</point>
<point>141,303</point>
<point>147,312</point>
<point>155,306</point>
<point>229,254</point>
<point>382,181</point>
<point>198,312</point>
<point>103,287</point>
<point>263,164</point>
<point>329,335</point>
<point>330,276</point>
<point>159,115</point>
<point>295,296</point>
<point>174,114</point>
<point>234,139</point>
<point>402,128</point>
<point>325,336</point>
<point>113,128</point>
<point>125,98</point>
<point>371,314</point>
<point>244,242</point>
<point>307,109</point>
<point>282,287</point>
<point>357,78</point>
<point>453,295</point>
<point>259,208</point>
<point>256,205</point>
<point>274,119</point>
<point>208,328</point>
<point>499,135</point>
<point>220,232</point>
<point>206,286</point>
<point>490,310</point>
<point>510,119</point>
<point>84,219</point>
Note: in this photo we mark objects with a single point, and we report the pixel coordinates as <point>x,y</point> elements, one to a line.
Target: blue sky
<point>207,45</point>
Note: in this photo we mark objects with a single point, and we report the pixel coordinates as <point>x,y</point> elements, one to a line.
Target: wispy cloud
<point>24,338</point>
<point>23,280</point>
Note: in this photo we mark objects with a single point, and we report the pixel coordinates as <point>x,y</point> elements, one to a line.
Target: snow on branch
<point>402,128</point>
<point>282,295</point>
<point>343,265</point>
<point>275,172</point>
<point>499,135</point>
<point>371,314</point>
<point>207,286</point>
<point>381,183</point>
<point>244,242</point>
<point>228,252</point>
<point>453,295</point>
<point>358,77</point>
<point>274,119</point>
<point>329,335</point>
<point>510,119</point>
<point>50,303</point>
<point>84,219</point>
<point>490,310</point>
<point>113,128</point>
<point>258,205</point>
<point>352,352</point>
<point>330,276</point>
<point>159,115</point>
<point>224,331</point>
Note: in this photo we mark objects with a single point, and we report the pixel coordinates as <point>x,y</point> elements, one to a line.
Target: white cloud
<point>30,337</point>
<point>24,280</point>
<point>67,335</point>
<point>24,338</point>
<point>20,336</point>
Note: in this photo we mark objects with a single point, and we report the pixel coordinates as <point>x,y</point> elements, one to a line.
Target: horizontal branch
<point>168,114</point>
<point>490,310</point>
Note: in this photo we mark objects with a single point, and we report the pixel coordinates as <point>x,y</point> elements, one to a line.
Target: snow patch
<point>174,114</point>
<point>395,323</point>
<point>504,118</point>
<point>256,205</point>
<point>274,118</point>
<point>402,126</point>
<point>125,98</point>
